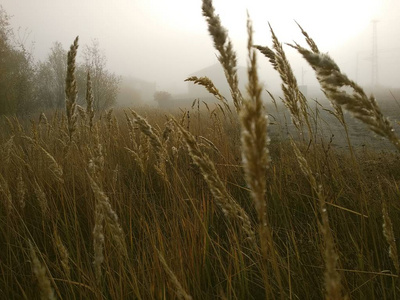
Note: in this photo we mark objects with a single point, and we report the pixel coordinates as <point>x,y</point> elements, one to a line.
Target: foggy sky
<point>165,41</point>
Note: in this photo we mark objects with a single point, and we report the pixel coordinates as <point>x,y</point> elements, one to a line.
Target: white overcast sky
<point>165,41</point>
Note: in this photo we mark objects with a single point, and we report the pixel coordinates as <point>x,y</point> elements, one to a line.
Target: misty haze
<point>162,43</point>
<point>199,149</point>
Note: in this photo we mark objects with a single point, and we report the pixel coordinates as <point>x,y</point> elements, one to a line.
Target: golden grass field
<point>205,203</point>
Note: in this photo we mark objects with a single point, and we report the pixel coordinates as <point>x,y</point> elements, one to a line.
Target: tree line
<point>27,85</point>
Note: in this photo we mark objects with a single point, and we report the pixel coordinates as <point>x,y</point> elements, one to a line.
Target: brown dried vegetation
<point>122,206</point>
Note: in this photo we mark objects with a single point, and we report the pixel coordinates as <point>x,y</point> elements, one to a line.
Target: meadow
<point>210,202</point>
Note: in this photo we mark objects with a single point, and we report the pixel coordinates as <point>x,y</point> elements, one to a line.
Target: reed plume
<point>43,119</point>
<point>81,111</point>
<point>96,162</point>
<point>21,190</point>
<point>41,197</point>
<point>227,56</point>
<point>63,252</point>
<point>293,99</point>
<point>337,109</point>
<point>311,43</point>
<point>89,100</point>
<point>255,154</point>
<point>111,218</point>
<point>46,291</point>
<point>253,120</point>
<point>98,242</point>
<point>71,90</point>
<point>209,85</point>
<point>334,82</point>
<point>155,142</point>
<point>147,129</point>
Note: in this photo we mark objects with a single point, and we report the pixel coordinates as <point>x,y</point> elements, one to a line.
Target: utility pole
<point>358,54</point>
<point>302,75</point>
<point>374,60</point>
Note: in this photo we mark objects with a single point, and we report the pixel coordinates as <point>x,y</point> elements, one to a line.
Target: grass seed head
<point>71,89</point>
<point>46,291</point>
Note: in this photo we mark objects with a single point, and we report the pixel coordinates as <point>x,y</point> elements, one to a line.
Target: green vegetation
<point>200,204</point>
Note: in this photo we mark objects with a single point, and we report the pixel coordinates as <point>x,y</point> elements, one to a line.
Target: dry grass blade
<point>137,159</point>
<point>209,144</point>
<point>390,237</point>
<point>7,150</point>
<point>5,191</point>
<point>54,166</point>
<point>333,285</point>
<point>224,200</point>
<point>227,56</point>
<point>181,293</point>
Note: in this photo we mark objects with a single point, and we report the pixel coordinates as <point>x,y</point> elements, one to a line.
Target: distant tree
<point>105,84</point>
<point>44,92</point>
<point>25,86</point>
<point>162,97</point>
<point>16,72</point>
<point>58,63</point>
<point>50,78</point>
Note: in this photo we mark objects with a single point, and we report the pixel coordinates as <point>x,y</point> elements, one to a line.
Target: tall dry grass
<point>207,203</point>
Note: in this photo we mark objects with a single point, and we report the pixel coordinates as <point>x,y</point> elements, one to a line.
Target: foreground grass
<point>200,205</point>
<point>169,221</point>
